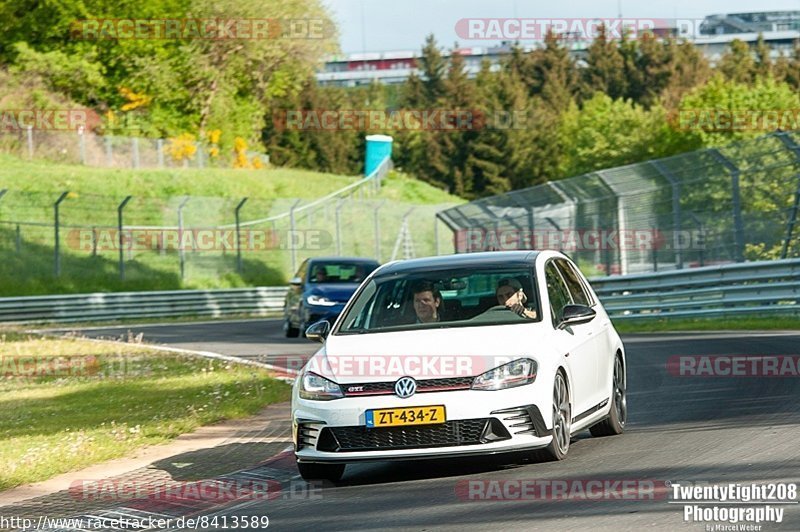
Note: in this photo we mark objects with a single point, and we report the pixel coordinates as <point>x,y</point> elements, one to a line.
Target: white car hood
<point>426,353</point>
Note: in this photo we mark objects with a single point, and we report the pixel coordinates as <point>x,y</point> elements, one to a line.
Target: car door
<point>599,329</point>
<point>576,341</point>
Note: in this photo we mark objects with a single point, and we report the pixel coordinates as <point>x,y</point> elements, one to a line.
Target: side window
<point>557,292</point>
<point>302,271</point>
<point>571,277</point>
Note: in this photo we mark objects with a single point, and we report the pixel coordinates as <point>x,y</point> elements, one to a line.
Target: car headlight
<point>320,301</point>
<point>317,388</point>
<point>516,373</point>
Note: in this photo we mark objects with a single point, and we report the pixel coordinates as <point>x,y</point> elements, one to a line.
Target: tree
<point>555,77</point>
<point>607,133</point>
<point>605,68</point>
<point>737,64</point>
<point>689,69</point>
<point>709,110</point>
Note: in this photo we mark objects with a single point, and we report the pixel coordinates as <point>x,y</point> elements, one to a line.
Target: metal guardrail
<point>764,288</point>
<point>265,301</point>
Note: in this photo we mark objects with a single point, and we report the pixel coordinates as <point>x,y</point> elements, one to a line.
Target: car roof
<point>355,260</point>
<point>463,260</point>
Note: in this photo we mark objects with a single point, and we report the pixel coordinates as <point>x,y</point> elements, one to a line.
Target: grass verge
<point>69,403</point>
<point>709,324</point>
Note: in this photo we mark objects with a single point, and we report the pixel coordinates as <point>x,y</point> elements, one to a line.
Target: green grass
<point>43,176</point>
<point>740,323</point>
<point>107,401</point>
<point>27,258</point>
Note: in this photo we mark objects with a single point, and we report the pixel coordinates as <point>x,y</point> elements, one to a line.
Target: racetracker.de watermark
<point>579,239</point>
<point>733,366</point>
<point>391,367</point>
<point>434,119</point>
<point>200,29</point>
<point>727,120</point>
<point>12,120</point>
<point>34,367</point>
<point>561,490</point>
<point>217,491</point>
<point>202,240</point>
<point>573,29</point>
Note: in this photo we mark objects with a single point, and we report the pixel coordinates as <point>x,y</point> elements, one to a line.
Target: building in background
<point>780,30</point>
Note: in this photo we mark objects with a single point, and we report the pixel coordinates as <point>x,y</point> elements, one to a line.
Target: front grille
<point>423,386</point>
<point>451,433</point>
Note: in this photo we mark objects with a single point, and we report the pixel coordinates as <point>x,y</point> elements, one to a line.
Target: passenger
<point>321,276</point>
<point>427,302</point>
<point>509,293</point>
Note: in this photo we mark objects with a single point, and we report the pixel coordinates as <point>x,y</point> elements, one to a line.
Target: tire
<point>562,423</point>
<point>331,472</point>
<point>291,332</point>
<point>615,422</point>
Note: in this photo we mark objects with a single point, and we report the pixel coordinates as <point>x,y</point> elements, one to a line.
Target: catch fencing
<point>714,206</point>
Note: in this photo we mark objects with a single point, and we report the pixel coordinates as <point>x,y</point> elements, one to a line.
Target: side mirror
<point>318,332</point>
<point>575,315</point>
<point>295,281</point>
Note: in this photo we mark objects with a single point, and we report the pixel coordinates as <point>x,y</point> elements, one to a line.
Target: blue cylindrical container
<point>379,147</point>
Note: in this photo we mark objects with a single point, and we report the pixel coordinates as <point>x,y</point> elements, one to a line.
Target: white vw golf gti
<point>460,355</point>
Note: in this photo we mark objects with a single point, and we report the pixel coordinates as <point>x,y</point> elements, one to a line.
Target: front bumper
<point>478,422</point>
<point>315,313</point>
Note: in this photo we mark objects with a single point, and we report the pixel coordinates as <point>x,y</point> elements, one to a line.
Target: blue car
<point>320,289</point>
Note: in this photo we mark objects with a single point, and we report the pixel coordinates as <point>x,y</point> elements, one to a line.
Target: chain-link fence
<point>113,151</point>
<point>713,206</point>
<point>70,242</point>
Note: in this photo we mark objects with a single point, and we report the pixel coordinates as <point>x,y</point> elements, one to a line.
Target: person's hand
<point>516,303</point>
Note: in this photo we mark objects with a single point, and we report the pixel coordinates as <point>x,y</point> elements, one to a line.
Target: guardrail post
<point>121,237</point>
<point>181,252</point>
<point>291,239</point>
<point>94,241</point>
<point>56,225</point>
<point>239,236</point>
<point>736,201</point>
<point>19,240</point>
<point>378,230</point>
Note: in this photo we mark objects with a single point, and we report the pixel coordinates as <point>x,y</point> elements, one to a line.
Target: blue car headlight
<point>320,301</point>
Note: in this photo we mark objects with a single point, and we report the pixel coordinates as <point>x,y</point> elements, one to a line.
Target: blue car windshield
<point>339,272</point>
<point>445,298</point>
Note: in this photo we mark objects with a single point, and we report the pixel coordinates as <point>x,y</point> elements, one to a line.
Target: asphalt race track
<point>682,429</point>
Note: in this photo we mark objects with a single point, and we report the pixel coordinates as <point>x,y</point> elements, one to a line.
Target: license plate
<point>395,417</point>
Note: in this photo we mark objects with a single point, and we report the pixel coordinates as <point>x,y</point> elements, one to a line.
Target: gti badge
<point>405,387</point>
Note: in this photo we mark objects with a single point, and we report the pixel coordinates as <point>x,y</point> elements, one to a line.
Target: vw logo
<point>405,387</point>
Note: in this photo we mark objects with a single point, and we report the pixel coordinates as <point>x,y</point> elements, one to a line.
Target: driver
<point>427,302</point>
<point>509,293</point>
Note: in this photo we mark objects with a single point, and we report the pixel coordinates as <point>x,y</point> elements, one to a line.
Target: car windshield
<point>440,299</point>
<point>339,272</point>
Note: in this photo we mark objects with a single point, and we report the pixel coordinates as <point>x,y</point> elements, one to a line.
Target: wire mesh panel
<point>77,242</point>
<point>714,206</point>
